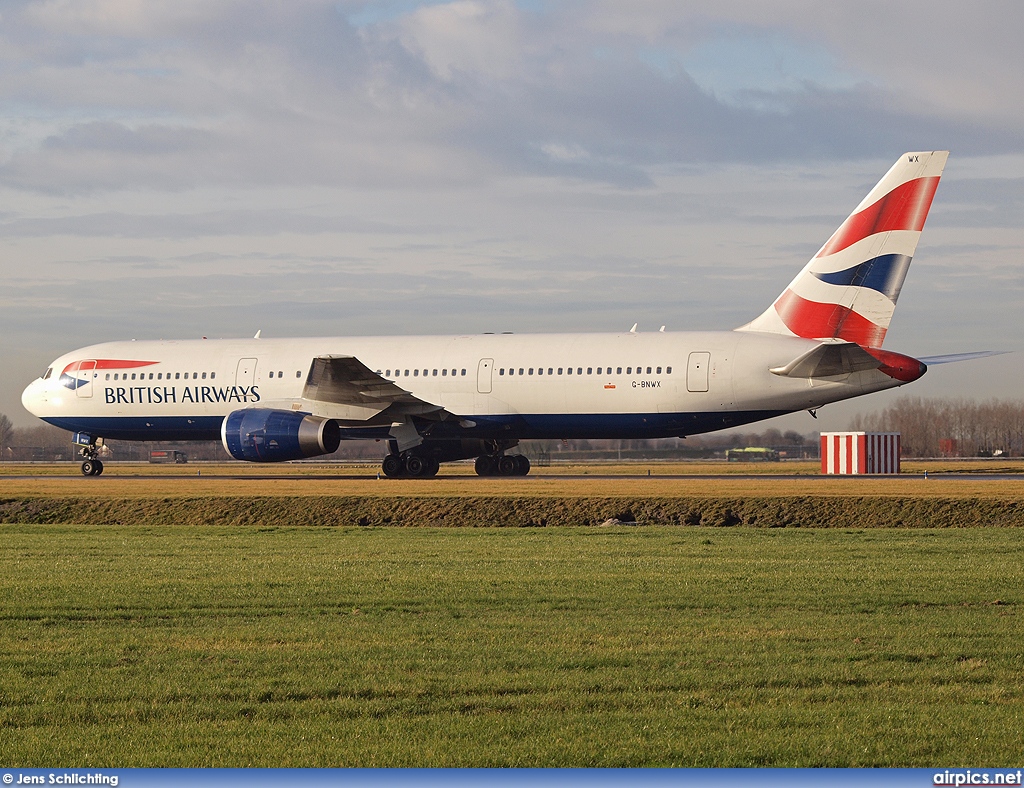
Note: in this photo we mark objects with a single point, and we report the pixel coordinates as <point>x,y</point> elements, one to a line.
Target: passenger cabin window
<point>668,370</point>
<point>271,375</point>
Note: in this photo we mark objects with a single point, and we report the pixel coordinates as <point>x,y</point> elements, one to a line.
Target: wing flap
<point>343,388</point>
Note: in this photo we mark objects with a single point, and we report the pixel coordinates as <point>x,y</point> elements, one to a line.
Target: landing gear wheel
<point>507,465</point>
<point>415,465</point>
<point>392,466</point>
<point>433,466</point>
<point>92,468</point>
<point>522,465</point>
<point>484,465</point>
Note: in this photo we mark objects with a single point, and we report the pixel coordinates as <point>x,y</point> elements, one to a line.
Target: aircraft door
<point>87,370</point>
<point>483,375</point>
<point>245,373</point>
<point>697,368</point>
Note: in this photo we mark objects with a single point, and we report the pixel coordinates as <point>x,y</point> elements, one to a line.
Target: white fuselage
<point>516,386</point>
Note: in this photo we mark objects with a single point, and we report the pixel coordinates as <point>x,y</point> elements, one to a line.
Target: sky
<point>301,167</point>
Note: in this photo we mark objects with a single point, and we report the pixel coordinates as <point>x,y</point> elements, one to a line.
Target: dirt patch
<point>522,511</point>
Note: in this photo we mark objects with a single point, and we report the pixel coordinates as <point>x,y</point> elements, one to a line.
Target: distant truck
<point>168,455</point>
<point>752,454</point>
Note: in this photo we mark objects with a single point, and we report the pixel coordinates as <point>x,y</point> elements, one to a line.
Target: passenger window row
<point>162,376</point>
<point>589,371</point>
<point>298,374</point>
<point>433,373</point>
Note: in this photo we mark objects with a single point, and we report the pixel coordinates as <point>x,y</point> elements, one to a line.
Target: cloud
<point>145,96</point>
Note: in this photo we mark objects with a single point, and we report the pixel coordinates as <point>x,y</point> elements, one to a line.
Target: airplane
<point>437,399</point>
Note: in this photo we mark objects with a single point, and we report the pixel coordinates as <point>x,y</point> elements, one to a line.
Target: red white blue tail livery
<point>849,288</point>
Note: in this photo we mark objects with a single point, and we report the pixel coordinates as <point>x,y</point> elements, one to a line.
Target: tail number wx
<point>647,384</point>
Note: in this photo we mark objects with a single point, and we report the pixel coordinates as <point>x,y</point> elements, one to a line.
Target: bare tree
<point>6,434</point>
<point>971,427</point>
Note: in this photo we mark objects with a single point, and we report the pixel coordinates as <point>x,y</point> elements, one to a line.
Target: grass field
<point>305,495</point>
<point>132,646</point>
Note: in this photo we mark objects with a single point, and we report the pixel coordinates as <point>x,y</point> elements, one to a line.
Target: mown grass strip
<point>235,646</point>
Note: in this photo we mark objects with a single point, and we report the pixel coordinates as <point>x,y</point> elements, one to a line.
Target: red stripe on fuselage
<point>904,208</point>
<point>814,320</point>
<point>107,363</point>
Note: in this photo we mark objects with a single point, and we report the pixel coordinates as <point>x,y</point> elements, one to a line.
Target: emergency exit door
<point>483,375</point>
<point>697,371</point>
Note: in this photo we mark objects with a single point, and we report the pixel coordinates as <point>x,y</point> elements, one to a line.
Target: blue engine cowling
<point>262,435</point>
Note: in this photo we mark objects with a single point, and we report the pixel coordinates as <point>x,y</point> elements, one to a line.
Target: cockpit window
<point>46,375</point>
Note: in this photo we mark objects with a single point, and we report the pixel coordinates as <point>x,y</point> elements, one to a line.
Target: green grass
<point>220,646</point>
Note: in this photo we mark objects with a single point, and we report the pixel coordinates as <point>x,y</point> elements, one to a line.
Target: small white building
<point>860,452</point>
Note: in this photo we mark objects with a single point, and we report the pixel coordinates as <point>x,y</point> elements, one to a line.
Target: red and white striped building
<point>860,452</point>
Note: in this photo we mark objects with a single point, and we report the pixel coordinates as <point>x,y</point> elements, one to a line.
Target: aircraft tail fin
<point>849,288</point>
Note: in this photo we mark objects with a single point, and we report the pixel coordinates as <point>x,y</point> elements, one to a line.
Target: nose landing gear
<point>89,448</point>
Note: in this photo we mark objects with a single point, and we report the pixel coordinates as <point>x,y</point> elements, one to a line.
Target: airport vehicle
<point>161,456</point>
<point>435,399</point>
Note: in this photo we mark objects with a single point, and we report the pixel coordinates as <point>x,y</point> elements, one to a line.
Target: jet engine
<point>262,435</point>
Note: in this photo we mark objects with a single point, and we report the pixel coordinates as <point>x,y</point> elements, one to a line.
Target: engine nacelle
<point>262,435</point>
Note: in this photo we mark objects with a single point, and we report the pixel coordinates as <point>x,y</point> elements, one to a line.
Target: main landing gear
<point>502,465</point>
<point>409,464</point>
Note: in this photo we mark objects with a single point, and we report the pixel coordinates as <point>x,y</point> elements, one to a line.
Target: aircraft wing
<point>345,389</point>
<point>828,359</point>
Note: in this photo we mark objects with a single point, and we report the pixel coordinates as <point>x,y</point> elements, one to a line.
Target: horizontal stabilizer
<point>952,358</point>
<point>829,359</point>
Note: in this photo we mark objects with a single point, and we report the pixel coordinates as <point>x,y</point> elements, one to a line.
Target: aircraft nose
<point>31,397</point>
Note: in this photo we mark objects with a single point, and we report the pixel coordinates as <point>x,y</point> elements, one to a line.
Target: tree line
<point>929,428</point>
<point>939,427</point>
